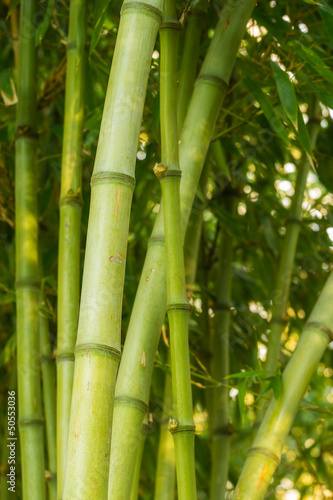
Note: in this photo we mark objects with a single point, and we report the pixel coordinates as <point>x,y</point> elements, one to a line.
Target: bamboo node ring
<point>116,177</point>
<point>257,450</point>
<point>148,10</point>
<point>127,401</point>
<point>321,327</point>
<point>101,348</point>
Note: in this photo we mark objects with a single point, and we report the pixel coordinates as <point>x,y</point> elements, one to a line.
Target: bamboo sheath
<point>70,229</point>
<point>220,422</point>
<point>265,454</point>
<point>97,350</point>
<point>49,400</point>
<point>133,382</point>
<point>282,288</point>
<point>168,172</point>
<point>30,422</point>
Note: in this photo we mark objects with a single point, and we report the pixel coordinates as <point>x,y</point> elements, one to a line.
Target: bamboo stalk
<point>135,370</point>
<point>166,466</point>
<point>188,71</point>
<point>97,350</point>
<point>220,422</point>
<point>265,454</point>
<point>70,229</point>
<point>30,421</point>
<point>49,400</point>
<point>168,172</point>
<point>137,470</point>
<point>282,288</point>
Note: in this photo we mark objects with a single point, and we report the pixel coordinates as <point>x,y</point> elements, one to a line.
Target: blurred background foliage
<point>262,151</point>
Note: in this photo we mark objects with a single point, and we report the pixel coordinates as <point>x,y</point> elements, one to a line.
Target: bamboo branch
<point>265,454</point>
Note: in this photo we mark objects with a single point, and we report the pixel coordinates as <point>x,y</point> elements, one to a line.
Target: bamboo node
<point>223,307</point>
<point>156,240</point>
<point>65,355</point>
<point>226,430</point>
<point>25,422</point>
<point>26,131</point>
<point>181,306</point>
<point>148,10</point>
<point>116,177</point>
<point>214,80</point>
<point>28,283</point>
<point>159,169</point>
<point>321,327</point>
<point>293,220</point>
<point>257,450</point>
<point>101,348</point>
<point>173,25</point>
<point>128,401</point>
<point>175,427</point>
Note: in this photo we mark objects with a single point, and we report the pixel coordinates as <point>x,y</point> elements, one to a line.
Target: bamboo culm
<point>134,377</point>
<point>97,350</point>
<point>70,229</point>
<point>219,419</point>
<point>49,399</point>
<point>168,172</point>
<point>265,454</point>
<point>30,421</point>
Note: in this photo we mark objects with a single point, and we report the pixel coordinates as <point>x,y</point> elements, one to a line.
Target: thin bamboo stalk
<point>97,350</point>
<point>27,273</point>
<point>282,288</point>
<point>166,460</point>
<point>49,403</point>
<point>168,172</point>
<point>70,229</point>
<point>135,371</point>
<point>219,421</point>
<point>265,454</point>
<point>137,470</point>
<point>188,71</point>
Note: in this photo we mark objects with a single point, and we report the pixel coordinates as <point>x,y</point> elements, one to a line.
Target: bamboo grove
<point>166,229</point>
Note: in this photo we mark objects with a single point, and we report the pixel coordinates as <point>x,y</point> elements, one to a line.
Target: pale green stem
<point>97,350</point>
<point>265,454</point>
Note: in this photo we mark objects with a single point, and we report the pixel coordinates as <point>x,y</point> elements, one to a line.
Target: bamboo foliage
<point>97,350</point>
<point>265,453</point>
<point>135,370</point>
<point>69,230</point>
<point>27,272</point>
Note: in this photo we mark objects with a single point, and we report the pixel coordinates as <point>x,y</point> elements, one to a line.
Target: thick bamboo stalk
<point>219,421</point>
<point>135,371</point>
<point>97,350</point>
<point>49,403</point>
<point>27,273</point>
<point>166,460</point>
<point>70,229</point>
<point>182,425</point>
<point>188,71</point>
<point>265,454</point>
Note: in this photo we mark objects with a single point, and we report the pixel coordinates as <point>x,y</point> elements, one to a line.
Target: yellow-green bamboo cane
<point>97,350</point>
<point>168,172</point>
<point>49,400</point>
<point>265,454</point>
<point>135,371</point>
<point>281,292</point>
<point>70,229</point>
<point>219,418</point>
<point>30,421</point>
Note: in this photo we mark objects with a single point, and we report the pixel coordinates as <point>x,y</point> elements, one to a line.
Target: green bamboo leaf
<point>14,4</point>
<point>8,352</point>
<point>43,26</point>
<point>310,56</point>
<point>286,92</point>
<point>100,11</point>
<point>302,135</point>
<point>267,108</point>
<point>268,232</point>
<point>322,4</point>
<point>241,396</point>
<point>327,19</point>
<point>276,383</point>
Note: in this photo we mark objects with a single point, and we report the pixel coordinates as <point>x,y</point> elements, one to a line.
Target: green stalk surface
<point>265,454</point>
<point>166,466</point>
<point>30,421</point>
<point>282,287</point>
<point>97,350</point>
<point>182,425</point>
<point>49,400</point>
<point>135,371</point>
<point>137,470</point>
<point>70,229</point>
<point>188,71</point>
<point>219,421</point>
